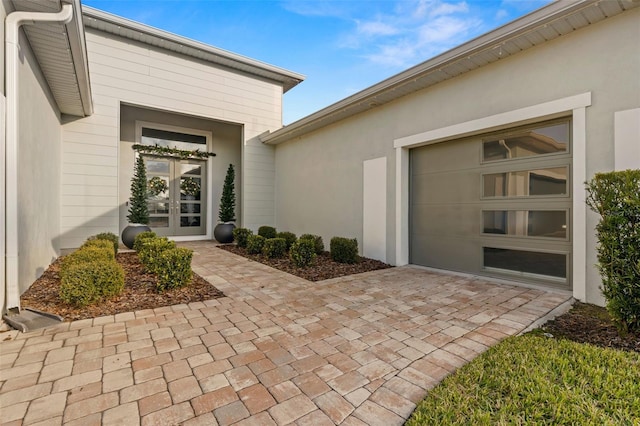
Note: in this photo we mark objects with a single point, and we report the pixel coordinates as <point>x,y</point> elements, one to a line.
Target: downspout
<point>13,22</point>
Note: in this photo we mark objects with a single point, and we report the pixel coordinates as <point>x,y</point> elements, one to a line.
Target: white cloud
<point>376,28</point>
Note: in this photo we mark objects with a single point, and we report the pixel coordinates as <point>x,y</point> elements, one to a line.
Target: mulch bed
<point>586,323</point>
<point>322,269</point>
<point>139,292</point>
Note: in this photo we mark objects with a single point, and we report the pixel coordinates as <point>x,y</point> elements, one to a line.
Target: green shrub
<point>108,236</point>
<point>100,244</point>
<point>85,283</point>
<point>303,252</point>
<point>255,244</point>
<point>615,196</point>
<point>151,249</point>
<point>141,237</point>
<point>274,247</point>
<point>173,268</point>
<point>289,238</point>
<point>96,251</point>
<point>317,240</point>
<point>267,232</point>
<point>344,250</point>
<point>241,235</point>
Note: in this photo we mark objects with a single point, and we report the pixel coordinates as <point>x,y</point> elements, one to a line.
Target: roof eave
<point>75,32</point>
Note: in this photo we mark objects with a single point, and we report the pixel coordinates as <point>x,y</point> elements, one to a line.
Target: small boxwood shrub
<point>97,251</point>
<point>303,252</point>
<point>108,236</point>
<point>274,247</point>
<point>267,232</point>
<point>255,244</point>
<point>615,196</point>
<point>317,240</point>
<point>85,283</point>
<point>344,250</point>
<point>151,249</point>
<point>289,238</point>
<point>140,239</point>
<point>241,235</point>
<point>100,244</point>
<point>173,268</point>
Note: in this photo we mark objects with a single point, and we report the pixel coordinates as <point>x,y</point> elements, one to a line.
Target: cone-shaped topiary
<point>228,199</point>
<point>138,210</point>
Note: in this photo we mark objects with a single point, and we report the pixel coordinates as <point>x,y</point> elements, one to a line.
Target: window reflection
<point>526,223</point>
<point>551,139</point>
<point>552,181</point>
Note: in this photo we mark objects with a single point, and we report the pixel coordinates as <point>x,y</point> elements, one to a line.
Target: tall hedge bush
<point>615,196</point>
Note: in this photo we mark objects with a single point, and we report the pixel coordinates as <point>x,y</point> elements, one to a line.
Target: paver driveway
<point>277,350</point>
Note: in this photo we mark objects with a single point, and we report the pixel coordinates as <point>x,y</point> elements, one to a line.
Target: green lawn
<point>533,379</point>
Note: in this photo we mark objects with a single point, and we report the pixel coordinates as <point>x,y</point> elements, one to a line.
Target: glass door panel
<point>159,194</point>
<point>191,206</point>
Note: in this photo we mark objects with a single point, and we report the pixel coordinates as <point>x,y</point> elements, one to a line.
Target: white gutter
<point>13,22</point>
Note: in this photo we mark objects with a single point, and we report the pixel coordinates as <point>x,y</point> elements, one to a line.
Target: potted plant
<point>223,232</point>
<point>138,211</point>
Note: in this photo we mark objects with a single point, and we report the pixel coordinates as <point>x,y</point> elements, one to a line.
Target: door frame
<point>209,161</point>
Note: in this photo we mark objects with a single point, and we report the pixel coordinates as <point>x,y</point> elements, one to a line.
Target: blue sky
<point>341,46</point>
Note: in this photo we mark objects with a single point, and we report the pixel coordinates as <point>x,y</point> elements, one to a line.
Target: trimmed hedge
<point>274,247</point>
<point>85,283</point>
<point>303,252</point>
<point>96,251</point>
<point>615,196</point>
<point>151,249</point>
<point>344,250</point>
<point>267,232</point>
<point>141,238</point>
<point>241,235</point>
<point>317,241</point>
<point>173,268</point>
<point>108,236</point>
<point>255,244</point>
<point>289,238</point>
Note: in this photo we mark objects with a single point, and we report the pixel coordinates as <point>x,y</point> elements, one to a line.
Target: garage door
<point>495,204</point>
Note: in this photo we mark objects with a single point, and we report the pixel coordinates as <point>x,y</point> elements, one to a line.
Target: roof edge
<point>77,44</point>
<point>289,79</point>
<point>490,40</point>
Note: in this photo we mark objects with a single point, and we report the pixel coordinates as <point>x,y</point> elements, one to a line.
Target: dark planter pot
<point>223,232</point>
<point>129,233</point>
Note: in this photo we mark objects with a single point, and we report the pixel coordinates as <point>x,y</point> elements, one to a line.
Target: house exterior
<point>471,162</point>
<point>91,87</point>
<point>475,161</point>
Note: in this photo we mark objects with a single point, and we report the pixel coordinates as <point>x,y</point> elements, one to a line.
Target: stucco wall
<point>39,145</point>
<point>123,71</point>
<point>319,176</point>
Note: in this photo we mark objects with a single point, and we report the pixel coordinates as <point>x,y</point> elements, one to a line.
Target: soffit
<point>61,53</point>
<point>132,30</point>
<point>552,21</point>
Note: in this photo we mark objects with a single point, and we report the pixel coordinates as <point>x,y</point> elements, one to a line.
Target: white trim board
<point>575,105</point>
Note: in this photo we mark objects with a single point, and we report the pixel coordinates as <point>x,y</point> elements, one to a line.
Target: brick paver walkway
<point>277,350</point>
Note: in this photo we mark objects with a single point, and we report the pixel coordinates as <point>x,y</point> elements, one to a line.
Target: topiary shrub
<point>98,251</point>
<point>303,252</point>
<point>274,247</point>
<point>100,244</point>
<point>140,239</point>
<point>108,236</point>
<point>255,244</point>
<point>267,232</point>
<point>344,250</point>
<point>289,238</point>
<point>240,235</point>
<point>85,283</point>
<point>615,196</point>
<point>317,239</point>
<point>151,249</point>
<point>173,268</point>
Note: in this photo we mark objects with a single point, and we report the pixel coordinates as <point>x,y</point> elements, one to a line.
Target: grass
<point>533,379</point>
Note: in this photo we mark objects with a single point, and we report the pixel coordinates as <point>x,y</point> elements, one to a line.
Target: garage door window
<point>526,223</point>
<point>525,183</point>
<point>543,140</point>
<point>526,262</point>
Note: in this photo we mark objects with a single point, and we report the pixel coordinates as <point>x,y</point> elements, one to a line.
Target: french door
<point>176,196</point>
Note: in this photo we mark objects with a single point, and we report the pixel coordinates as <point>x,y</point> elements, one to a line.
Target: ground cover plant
<point>536,379</point>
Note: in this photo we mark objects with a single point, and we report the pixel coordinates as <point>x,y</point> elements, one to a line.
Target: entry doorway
<point>176,196</point>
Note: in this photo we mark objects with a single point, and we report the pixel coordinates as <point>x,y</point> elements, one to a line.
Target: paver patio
<point>277,350</point>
